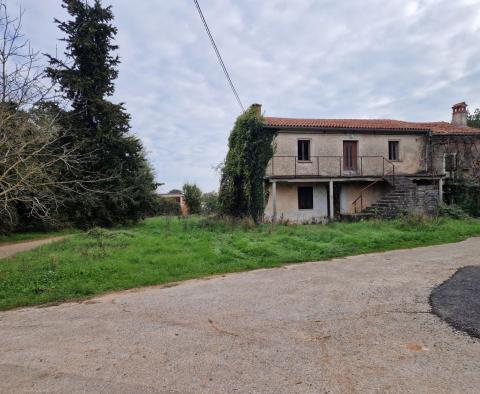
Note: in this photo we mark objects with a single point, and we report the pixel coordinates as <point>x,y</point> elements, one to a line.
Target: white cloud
<point>371,58</point>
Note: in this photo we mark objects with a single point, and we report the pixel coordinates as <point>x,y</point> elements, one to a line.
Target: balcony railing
<point>330,166</point>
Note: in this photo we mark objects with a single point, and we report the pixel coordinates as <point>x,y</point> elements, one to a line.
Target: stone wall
<point>426,199</point>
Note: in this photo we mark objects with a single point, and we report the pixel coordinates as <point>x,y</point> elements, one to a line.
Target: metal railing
<point>330,166</point>
<point>359,199</point>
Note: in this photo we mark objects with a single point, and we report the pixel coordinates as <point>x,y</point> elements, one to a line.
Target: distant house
<point>177,195</point>
<point>324,168</point>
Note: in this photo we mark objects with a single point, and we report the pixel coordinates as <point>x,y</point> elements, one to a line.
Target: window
<point>450,162</point>
<point>350,155</point>
<point>303,150</point>
<point>305,197</point>
<point>393,150</point>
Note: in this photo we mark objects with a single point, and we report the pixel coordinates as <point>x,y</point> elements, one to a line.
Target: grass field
<point>162,250</point>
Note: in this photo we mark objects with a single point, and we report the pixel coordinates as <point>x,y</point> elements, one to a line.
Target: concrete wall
<point>412,153</point>
<point>287,203</point>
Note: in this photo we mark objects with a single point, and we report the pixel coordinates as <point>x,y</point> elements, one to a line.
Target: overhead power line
<point>225,71</point>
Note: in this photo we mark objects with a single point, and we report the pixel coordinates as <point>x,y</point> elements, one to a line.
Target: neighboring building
<point>325,168</point>
<point>178,196</point>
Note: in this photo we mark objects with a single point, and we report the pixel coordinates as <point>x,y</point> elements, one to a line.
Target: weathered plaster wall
<point>467,149</point>
<point>350,191</point>
<point>287,203</point>
<point>412,153</point>
<point>287,199</point>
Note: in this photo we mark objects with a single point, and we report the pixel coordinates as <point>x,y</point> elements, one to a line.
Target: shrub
<point>464,194</point>
<point>452,211</point>
<point>210,204</point>
<point>165,207</point>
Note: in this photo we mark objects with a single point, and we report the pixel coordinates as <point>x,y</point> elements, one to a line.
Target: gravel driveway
<point>11,249</point>
<point>359,324</point>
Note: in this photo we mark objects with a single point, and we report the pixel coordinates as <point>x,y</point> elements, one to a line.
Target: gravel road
<point>353,325</point>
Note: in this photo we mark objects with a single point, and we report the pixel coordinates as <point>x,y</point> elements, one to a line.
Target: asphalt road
<point>457,300</point>
<point>352,325</point>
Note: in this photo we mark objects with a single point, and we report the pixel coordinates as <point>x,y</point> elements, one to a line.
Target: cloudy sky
<point>399,59</point>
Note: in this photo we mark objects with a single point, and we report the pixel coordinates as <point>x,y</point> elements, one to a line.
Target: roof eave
<point>347,129</point>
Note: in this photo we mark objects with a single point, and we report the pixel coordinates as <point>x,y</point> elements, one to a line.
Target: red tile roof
<point>370,124</point>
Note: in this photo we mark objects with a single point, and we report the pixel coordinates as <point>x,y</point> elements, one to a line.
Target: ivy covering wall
<point>250,148</point>
<point>464,194</point>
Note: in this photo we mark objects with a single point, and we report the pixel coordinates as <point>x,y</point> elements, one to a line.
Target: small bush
<point>166,207</point>
<point>452,211</point>
<point>99,233</point>
<point>415,221</point>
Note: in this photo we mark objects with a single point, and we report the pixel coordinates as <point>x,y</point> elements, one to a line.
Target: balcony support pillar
<point>440,190</point>
<point>274,201</point>
<point>330,196</point>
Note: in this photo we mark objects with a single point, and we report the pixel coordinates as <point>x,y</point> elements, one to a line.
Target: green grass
<point>162,250</point>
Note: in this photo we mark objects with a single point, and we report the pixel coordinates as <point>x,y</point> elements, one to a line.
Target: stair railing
<point>391,173</point>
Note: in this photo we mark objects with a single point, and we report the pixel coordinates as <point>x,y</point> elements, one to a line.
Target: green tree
<point>193,198</point>
<point>250,148</point>
<point>210,204</point>
<point>98,126</point>
<point>473,120</point>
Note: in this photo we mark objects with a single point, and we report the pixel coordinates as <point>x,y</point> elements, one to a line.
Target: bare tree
<point>22,78</point>
<point>39,166</point>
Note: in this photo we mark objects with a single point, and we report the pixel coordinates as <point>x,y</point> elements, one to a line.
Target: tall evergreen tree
<point>98,126</point>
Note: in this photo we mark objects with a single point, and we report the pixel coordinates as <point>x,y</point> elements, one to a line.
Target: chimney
<point>459,115</point>
<point>257,108</point>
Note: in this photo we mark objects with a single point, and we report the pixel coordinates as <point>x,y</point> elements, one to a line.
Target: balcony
<point>330,167</point>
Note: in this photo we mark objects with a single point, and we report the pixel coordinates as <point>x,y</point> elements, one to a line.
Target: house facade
<point>177,196</point>
<point>326,168</point>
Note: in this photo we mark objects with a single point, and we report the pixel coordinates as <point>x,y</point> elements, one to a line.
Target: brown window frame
<point>350,155</point>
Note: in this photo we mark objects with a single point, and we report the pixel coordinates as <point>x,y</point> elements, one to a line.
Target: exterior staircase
<point>401,199</point>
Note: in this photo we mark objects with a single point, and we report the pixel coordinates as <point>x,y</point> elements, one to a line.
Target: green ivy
<point>250,149</point>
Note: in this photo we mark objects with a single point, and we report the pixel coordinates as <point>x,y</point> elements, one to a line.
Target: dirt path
<point>10,249</point>
<point>353,325</point>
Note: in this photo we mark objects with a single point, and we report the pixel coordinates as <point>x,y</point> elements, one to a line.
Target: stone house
<point>327,168</point>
